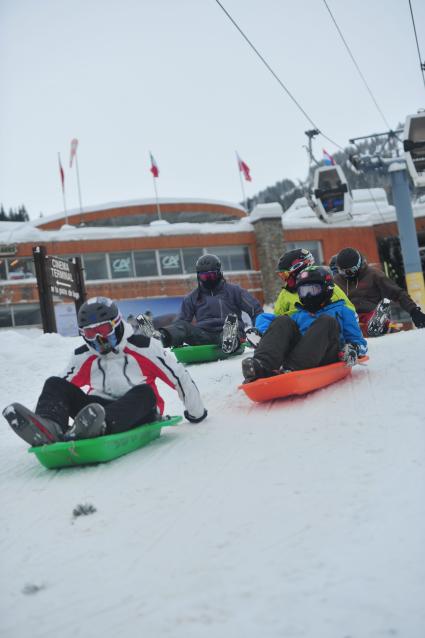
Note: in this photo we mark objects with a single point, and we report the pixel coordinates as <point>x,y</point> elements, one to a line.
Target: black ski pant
<point>182,331</point>
<point>282,345</point>
<point>60,400</point>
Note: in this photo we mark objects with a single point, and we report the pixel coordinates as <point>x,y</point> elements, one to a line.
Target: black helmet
<point>100,324</point>
<point>315,287</point>
<point>207,263</point>
<point>208,271</point>
<point>291,264</point>
<point>349,261</point>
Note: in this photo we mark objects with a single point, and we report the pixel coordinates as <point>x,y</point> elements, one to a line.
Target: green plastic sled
<point>203,354</point>
<point>102,448</point>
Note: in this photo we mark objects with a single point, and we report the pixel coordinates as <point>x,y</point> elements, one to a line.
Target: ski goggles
<point>209,275</point>
<point>287,277</point>
<point>309,289</point>
<point>349,272</point>
<point>103,329</point>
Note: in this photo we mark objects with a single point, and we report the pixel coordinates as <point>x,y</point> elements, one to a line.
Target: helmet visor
<point>309,289</point>
<point>210,275</point>
<point>103,329</point>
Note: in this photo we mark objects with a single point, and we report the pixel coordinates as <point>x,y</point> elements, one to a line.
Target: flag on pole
<point>154,166</point>
<point>74,145</point>
<point>61,173</point>
<point>244,168</point>
<point>328,159</point>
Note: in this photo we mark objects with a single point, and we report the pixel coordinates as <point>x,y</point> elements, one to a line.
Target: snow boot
<point>88,423</point>
<point>34,429</point>
<point>230,342</point>
<point>146,327</point>
<point>379,322</point>
<point>252,370</point>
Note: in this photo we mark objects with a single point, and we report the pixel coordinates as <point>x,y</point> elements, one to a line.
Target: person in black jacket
<point>215,305</point>
<point>369,289</point>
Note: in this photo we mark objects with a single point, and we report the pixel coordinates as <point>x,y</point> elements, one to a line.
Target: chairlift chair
<point>333,197</point>
<point>414,147</point>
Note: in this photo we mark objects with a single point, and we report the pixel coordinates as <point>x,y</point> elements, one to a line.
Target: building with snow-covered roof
<point>128,253</point>
<point>148,263</point>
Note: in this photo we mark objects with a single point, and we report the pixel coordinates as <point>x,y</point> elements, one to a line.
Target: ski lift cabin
<point>332,194</point>
<point>414,147</point>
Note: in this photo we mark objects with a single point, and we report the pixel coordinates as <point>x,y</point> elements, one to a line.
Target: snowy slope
<point>304,518</point>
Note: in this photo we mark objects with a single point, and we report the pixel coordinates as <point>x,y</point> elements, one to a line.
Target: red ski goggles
<point>287,278</point>
<point>210,275</point>
<point>104,329</point>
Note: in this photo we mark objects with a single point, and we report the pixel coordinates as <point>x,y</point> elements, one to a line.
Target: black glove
<point>418,317</point>
<point>194,419</point>
<point>349,354</point>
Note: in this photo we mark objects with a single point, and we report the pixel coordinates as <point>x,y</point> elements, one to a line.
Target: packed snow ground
<point>302,518</point>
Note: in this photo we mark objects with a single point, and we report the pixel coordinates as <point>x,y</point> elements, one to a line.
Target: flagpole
<point>244,199</point>
<point>78,183</point>
<point>156,197</point>
<point>63,190</point>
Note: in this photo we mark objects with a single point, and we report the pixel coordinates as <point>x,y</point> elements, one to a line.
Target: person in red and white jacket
<point>109,385</point>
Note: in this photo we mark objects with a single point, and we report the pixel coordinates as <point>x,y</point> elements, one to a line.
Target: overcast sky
<point>175,77</point>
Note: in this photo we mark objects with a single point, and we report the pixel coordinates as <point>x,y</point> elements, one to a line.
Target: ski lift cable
<point>421,64</point>
<point>356,65</point>
<point>277,78</point>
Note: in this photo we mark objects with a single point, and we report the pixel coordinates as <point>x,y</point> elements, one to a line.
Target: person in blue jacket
<point>216,306</point>
<point>319,333</point>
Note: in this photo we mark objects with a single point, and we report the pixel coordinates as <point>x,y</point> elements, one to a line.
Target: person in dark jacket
<point>119,369</point>
<point>367,287</point>
<point>319,333</point>
<point>216,306</point>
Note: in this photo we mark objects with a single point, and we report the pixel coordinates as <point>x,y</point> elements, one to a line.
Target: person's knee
<point>146,395</point>
<point>327,320</point>
<point>328,323</point>
<point>283,320</point>
<point>53,383</point>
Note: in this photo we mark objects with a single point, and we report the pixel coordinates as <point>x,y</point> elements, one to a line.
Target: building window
<point>170,262</point>
<point>3,274</point>
<point>26,315</point>
<point>17,268</point>
<point>95,266</point>
<point>315,247</point>
<point>5,317</point>
<point>121,265</point>
<point>12,315</point>
<point>233,257</point>
<point>190,257</point>
<point>145,263</point>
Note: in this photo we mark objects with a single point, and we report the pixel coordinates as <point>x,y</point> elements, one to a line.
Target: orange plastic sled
<point>295,383</point>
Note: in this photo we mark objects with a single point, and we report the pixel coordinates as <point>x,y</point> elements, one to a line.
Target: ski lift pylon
<point>332,194</point>
<point>414,147</point>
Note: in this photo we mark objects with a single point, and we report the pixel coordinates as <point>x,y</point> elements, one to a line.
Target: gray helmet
<point>208,263</point>
<point>96,310</point>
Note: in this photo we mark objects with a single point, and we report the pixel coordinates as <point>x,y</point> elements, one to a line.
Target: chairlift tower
<point>396,167</point>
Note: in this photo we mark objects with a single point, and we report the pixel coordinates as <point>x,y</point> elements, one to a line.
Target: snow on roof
<point>135,202</point>
<point>370,207</point>
<point>266,211</point>
<point>27,233</point>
